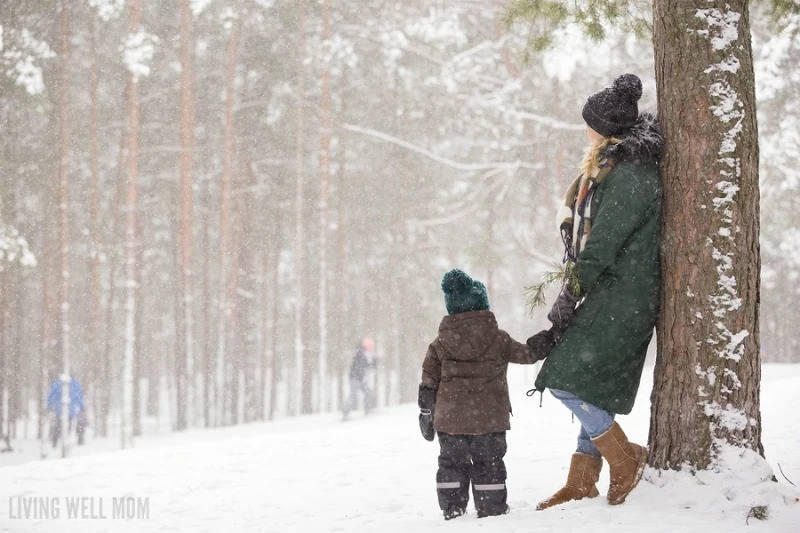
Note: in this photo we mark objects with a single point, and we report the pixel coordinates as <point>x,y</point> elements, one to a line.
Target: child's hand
<point>427,403</point>
<point>543,342</point>
<point>426,424</point>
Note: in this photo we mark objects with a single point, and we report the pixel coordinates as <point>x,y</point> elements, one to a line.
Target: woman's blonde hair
<point>590,165</point>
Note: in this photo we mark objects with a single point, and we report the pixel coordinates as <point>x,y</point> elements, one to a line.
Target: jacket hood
<point>468,335</point>
<point>643,143</point>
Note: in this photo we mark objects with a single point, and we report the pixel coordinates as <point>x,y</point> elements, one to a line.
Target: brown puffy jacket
<point>467,366</point>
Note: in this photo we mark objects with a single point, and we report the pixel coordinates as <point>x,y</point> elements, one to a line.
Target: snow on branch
<point>14,248</point>
<point>20,52</point>
<point>107,9</point>
<point>138,49</point>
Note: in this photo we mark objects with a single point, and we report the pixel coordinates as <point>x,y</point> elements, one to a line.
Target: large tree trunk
<point>706,392</point>
<point>183,314</point>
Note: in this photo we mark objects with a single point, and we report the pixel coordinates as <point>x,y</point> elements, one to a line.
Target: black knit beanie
<point>614,109</point>
<point>462,293</point>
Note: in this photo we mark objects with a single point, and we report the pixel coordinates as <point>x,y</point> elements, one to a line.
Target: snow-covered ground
<point>376,474</point>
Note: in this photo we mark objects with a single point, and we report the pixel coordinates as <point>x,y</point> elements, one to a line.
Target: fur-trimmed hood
<point>643,143</point>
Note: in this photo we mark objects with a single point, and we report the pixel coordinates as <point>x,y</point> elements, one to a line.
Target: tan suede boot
<point>584,471</point>
<point>625,459</point>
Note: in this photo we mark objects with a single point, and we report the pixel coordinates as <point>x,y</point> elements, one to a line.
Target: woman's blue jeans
<point>594,421</point>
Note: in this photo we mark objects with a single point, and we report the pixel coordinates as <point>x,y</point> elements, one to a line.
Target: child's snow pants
<point>475,458</point>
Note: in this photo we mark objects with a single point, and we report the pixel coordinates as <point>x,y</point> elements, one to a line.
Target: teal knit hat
<point>462,293</point>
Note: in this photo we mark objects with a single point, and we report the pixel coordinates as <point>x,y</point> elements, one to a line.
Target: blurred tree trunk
<point>62,290</point>
<point>342,332</point>
<point>48,326</point>
<point>95,289</point>
<point>275,301</point>
<point>233,362</point>
<point>137,328</point>
<point>224,306</point>
<point>324,185</point>
<point>300,404</point>
<point>17,397</point>
<point>106,390</point>
<point>246,314</point>
<point>209,395</point>
<point>707,376</point>
<point>252,236</point>
<point>131,225</point>
<point>500,32</point>
<point>183,314</point>
<point>4,347</point>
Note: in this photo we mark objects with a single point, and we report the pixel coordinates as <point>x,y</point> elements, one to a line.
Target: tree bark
<point>707,376</point>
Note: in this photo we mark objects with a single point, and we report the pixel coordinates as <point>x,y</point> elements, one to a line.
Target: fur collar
<point>641,144</point>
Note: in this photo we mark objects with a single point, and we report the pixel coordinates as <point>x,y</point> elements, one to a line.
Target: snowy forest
<point>205,205</point>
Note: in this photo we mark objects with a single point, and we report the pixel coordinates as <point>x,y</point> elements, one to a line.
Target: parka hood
<point>468,335</point>
<point>643,143</point>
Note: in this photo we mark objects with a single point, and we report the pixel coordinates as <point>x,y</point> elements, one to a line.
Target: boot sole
<point>541,506</point>
<point>636,479</point>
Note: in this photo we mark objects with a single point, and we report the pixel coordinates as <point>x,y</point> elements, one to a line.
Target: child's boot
<point>493,511</point>
<point>454,512</point>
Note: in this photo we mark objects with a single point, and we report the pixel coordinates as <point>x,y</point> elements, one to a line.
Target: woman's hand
<point>563,310</point>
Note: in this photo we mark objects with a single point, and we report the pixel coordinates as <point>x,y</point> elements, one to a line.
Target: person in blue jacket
<point>77,409</point>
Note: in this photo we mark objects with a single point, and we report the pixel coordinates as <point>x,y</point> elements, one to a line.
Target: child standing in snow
<point>464,397</point>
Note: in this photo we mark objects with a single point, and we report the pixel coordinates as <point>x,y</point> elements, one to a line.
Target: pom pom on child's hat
<point>462,293</point>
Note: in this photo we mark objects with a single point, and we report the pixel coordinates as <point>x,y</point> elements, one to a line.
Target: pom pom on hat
<point>629,87</point>
<point>615,109</point>
<point>462,293</point>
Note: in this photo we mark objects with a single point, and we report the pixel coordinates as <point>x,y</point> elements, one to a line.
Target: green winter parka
<point>601,355</point>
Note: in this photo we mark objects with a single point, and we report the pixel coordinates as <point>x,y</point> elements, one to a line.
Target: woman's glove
<point>427,404</point>
<point>563,310</point>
